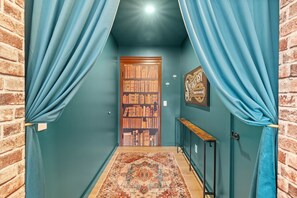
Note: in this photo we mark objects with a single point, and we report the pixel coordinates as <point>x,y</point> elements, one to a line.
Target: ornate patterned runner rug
<point>144,175</point>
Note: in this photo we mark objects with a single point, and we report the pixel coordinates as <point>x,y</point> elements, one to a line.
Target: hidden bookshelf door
<point>140,101</point>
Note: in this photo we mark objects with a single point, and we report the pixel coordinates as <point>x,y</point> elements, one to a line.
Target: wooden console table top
<point>199,132</point>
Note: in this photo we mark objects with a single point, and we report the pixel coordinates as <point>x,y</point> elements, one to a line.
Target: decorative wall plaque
<point>196,87</point>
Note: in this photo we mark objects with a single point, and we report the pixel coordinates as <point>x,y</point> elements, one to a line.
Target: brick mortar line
<point>14,121</point>
<point>22,147</point>
<point>21,36</point>
<point>286,108</point>
<point>292,155</point>
<point>3,91</point>
<point>22,8</point>
<point>14,48</point>
<point>2,58</point>
<point>11,122</point>
<point>293,184</point>
<point>13,33</point>
<point>289,182</point>
<point>11,17</point>
<point>12,77</point>
<point>13,4</point>
<point>9,46</point>
<point>288,122</point>
<point>284,37</point>
<point>282,191</point>
<point>13,150</point>
<point>5,60</point>
<point>286,6</point>
<point>287,19</point>
<point>287,64</point>
<point>2,6</point>
<point>289,138</point>
<point>16,190</point>
<point>11,106</point>
<point>12,136</point>
<point>287,51</point>
<point>288,92</point>
<point>293,48</point>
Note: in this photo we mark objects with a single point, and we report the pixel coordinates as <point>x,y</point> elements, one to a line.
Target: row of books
<point>140,111</point>
<point>140,71</point>
<point>140,86</point>
<point>140,123</point>
<point>137,138</point>
<point>140,98</point>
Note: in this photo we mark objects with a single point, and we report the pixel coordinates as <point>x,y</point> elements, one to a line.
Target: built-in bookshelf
<point>140,99</point>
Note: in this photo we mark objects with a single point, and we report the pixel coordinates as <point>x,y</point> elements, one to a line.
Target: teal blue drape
<point>63,40</point>
<point>236,42</point>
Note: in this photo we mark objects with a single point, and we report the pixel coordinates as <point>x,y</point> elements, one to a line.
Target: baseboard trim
<point>98,174</point>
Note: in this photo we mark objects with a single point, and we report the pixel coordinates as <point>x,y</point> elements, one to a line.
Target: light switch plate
<point>165,103</point>
<point>41,126</point>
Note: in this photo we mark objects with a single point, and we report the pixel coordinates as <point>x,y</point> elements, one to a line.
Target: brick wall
<point>12,132</point>
<point>287,159</point>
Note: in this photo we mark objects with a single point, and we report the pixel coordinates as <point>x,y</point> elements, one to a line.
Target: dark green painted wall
<point>170,65</point>
<point>244,154</point>
<point>76,146</point>
<point>215,120</point>
<point>235,159</point>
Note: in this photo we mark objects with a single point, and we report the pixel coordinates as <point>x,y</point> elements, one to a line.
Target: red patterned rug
<point>144,175</point>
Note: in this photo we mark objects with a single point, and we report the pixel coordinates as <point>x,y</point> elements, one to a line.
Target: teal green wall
<point>170,65</point>
<point>235,160</point>
<point>76,146</point>
<point>243,153</point>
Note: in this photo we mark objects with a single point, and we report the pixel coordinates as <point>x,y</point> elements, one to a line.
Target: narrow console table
<point>207,139</point>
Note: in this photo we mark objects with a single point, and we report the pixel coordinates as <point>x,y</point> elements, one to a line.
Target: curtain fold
<point>237,45</point>
<point>63,40</point>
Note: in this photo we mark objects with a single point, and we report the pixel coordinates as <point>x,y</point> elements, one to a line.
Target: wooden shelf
<point>125,129</point>
<point>199,132</point>
<point>140,79</point>
<point>140,117</point>
<point>140,87</point>
<point>143,92</point>
<point>137,104</point>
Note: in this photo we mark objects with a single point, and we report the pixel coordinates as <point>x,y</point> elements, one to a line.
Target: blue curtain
<point>63,40</point>
<point>236,42</point>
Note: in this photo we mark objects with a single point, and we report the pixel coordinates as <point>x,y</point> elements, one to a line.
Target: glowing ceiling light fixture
<point>149,9</point>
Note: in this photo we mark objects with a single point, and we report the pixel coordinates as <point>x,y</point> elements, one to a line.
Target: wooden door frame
<point>144,59</point>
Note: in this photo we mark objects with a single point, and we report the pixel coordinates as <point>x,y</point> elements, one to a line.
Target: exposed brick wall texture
<point>12,111</point>
<point>287,148</point>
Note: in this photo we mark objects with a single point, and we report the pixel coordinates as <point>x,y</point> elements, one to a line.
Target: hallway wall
<point>170,65</point>
<point>287,153</point>
<point>215,120</point>
<point>12,99</point>
<point>235,159</point>
<point>76,146</point>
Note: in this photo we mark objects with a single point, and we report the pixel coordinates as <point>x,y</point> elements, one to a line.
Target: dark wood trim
<point>143,60</point>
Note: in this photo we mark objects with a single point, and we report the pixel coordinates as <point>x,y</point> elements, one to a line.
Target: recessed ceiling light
<point>149,9</point>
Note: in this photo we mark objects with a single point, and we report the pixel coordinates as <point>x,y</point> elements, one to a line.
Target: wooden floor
<point>190,179</point>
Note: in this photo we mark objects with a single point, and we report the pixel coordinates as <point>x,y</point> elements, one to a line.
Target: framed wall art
<point>196,88</point>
